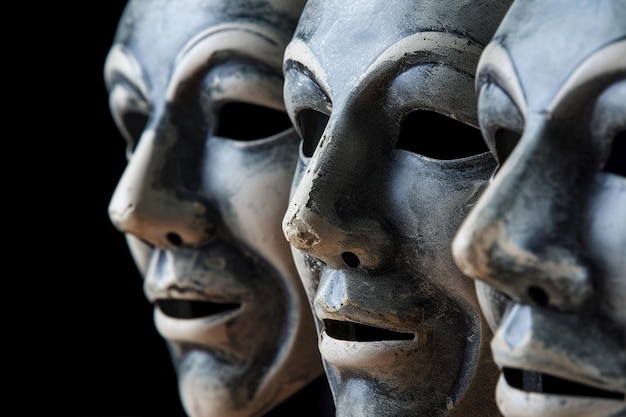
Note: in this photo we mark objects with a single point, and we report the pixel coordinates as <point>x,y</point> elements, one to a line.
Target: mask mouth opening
<point>193,309</point>
<point>356,332</point>
<point>531,381</point>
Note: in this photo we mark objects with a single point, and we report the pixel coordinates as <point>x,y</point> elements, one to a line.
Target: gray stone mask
<point>204,192</point>
<point>392,159</point>
<point>547,239</point>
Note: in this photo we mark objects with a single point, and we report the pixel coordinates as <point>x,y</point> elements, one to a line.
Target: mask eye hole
<point>131,113</point>
<point>134,123</point>
<point>616,164</point>
<point>312,124</point>
<point>245,121</point>
<point>439,137</point>
<point>505,140</point>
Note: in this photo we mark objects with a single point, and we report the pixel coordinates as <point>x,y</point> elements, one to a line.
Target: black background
<point>105,355</point>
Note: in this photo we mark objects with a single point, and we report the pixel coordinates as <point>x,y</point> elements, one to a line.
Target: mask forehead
<point>144,20</point>
<point>344,41</point>
<point>540,32</point>
<point>156,32</point>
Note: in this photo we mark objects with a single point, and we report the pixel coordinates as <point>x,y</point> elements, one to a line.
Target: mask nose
<point>147,204</point>
<point>522,237</point>
<point>328,219</point>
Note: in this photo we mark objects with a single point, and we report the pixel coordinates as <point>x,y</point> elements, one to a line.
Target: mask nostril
<point>538,295</point>
<point>350,259</point>
<point>210,228</point>
<point>174,238</point>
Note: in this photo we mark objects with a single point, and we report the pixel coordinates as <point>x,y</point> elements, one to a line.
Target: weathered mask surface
<point>382,94</point>
<point>547,240</point>
<point>204,192</point>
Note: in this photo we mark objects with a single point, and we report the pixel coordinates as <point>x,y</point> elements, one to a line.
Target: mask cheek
<point>605,242</point>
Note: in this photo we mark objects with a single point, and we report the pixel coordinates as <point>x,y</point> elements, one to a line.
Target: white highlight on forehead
<point>607,60</point>
<point>119,59</point>
<point>243,38</point>
<point>299,51</point>
<point>496,60</point>
<point>449,49</point>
